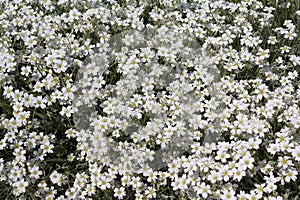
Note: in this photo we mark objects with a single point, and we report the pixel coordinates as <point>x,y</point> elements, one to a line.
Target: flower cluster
<point>115,99</point>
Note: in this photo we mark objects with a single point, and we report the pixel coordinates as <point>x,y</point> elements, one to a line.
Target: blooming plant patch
<point>123,99</point>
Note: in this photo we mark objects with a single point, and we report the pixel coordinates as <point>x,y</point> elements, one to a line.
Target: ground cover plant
<point>123,99</point>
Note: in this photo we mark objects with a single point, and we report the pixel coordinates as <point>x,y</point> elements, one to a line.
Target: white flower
<point>67,111</point>
<point>203,189</point>
<point>35,172</point>
<point>56,178</point>
<point>228,194</point>
<point>151,192</point>
<point>290,174</point>
<point>119,192</point>
<point>20,187</point>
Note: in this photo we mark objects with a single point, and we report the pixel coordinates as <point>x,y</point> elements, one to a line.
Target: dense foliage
<point>123,99</point>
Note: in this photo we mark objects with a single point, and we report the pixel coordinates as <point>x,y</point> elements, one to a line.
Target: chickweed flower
<point>131,99</point>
